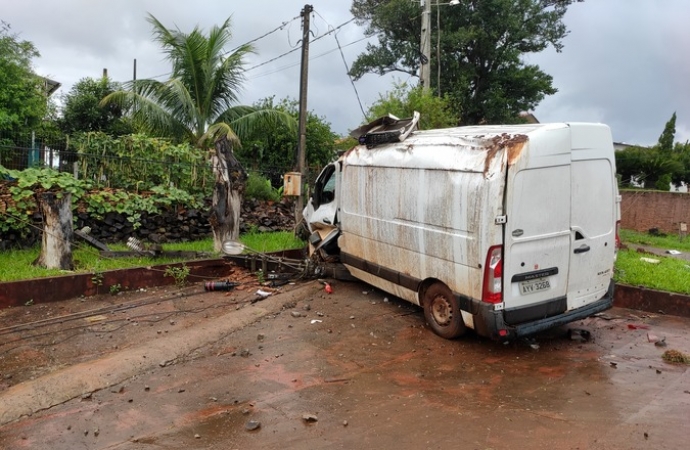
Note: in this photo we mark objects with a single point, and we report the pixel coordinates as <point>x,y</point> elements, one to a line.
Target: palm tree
<point>198,104</point>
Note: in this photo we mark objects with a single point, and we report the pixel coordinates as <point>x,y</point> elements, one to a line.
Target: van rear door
<point>537,230</point>
<point>593,214</point>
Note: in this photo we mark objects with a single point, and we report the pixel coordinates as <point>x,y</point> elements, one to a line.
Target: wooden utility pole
<point>425,60</point>
<point>134,74</point>
<point>302,145</point>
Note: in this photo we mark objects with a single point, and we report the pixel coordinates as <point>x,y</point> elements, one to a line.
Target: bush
<point>259,188</point>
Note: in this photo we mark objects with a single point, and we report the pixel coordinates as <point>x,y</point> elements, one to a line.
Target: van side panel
<point>406,224</point>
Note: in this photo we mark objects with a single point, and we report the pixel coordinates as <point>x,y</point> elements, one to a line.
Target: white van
<point>507,230</point>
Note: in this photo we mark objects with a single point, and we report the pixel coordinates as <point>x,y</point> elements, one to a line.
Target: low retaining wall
<point>44,290</point>
<point>649,300</point>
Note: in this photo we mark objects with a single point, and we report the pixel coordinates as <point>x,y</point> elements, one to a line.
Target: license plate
<point>532,286</point>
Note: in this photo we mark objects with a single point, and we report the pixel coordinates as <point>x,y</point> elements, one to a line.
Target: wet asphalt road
<point>360,369</point>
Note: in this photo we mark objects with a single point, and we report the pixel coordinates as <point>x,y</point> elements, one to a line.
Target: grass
<point>670,274</point>
<point>17,264</point>
<point>671,241</point>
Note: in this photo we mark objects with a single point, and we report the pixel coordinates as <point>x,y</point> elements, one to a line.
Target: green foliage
<point>198,103</point>
<point>82,111</point>
<point>649,167</point>
<point>663,183</point>
<point>23,100</point>
<point>96,202</point>
<point>179,273</point>
<point>482,44</point>
<point>404,100</point>
<point>668,135</point>
<point>115,289</point>
<point>260,188</point>
<point>139,163</point>
<point>274,146</point>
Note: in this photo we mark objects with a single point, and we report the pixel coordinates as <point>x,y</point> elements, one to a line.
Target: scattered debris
<point>613,364</point>
<point>260,337</point>
<point>661,343</point>
<point>309,418</point>
<point>674,356</point>
<point>673,252</point>
<point>313,321</point>
<point>220,285</point>
<point>580,335</point>
<point>263,294</point>
<point>650,260</point>
<point>633,326</point>
<point>296,314</point>
<point>252,425</point>
<point>344,423</point>
<point>197,436</point>
<point>605,316</point>
<point>327,287</point>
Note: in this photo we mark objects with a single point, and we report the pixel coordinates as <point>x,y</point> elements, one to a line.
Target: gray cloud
<point>624,63</point>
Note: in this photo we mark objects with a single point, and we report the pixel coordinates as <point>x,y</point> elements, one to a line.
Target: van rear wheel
<point>442,311</point>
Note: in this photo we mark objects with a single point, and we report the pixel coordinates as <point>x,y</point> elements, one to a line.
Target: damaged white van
<point>506,230</point>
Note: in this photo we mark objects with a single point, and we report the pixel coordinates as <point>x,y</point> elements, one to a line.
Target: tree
<point>482,43</point>
<point>82,111</point>
<point>273,149</point>
<point>404,100</point>
<point>198,104</point>
<point>668,135</point>
<point>23,99</point>
<point>651,167</point>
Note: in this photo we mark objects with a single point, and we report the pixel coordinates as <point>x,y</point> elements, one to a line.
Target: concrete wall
<point>642,210</point>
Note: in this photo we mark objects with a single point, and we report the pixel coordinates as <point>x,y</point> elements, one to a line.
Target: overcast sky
<point>626,63</point>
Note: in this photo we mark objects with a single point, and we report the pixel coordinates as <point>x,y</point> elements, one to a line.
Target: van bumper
<point>490,323</point>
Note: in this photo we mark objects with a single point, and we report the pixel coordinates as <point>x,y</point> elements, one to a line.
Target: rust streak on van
<point>513,143</point>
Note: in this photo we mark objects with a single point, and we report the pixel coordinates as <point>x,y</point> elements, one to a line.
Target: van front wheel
<point>442,311</point>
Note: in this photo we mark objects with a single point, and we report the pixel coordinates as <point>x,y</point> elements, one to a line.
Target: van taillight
<point>493,274</point>
<point>618,238</point>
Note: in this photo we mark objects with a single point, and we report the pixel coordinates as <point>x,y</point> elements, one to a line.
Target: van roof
<point>468,149</point>
<point>474,132</point>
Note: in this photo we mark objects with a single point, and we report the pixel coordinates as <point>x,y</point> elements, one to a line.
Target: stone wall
<point>644,210</point>
<point>174,225</point>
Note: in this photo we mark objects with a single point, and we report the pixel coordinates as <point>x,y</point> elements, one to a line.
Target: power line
<point>278,28</point>
<point>289,66</point>
<point>347,70</point>
<point>295,49</point>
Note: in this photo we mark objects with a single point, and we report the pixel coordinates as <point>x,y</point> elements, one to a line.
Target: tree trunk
<point>227,194</point>
<point>56,248</point>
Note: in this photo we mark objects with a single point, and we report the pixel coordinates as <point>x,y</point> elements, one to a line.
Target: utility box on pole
<point>292,184</point>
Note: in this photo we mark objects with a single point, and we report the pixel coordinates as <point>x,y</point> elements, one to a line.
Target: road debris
<point>579,335</point>
<point>310,418</point>
<point>313,321</point>
<point>252,425</point>
<point>633,326</point>
<point>675,356</point>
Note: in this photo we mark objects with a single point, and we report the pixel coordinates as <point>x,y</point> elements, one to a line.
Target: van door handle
<point>328,221</point>
<point>582,249</point>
